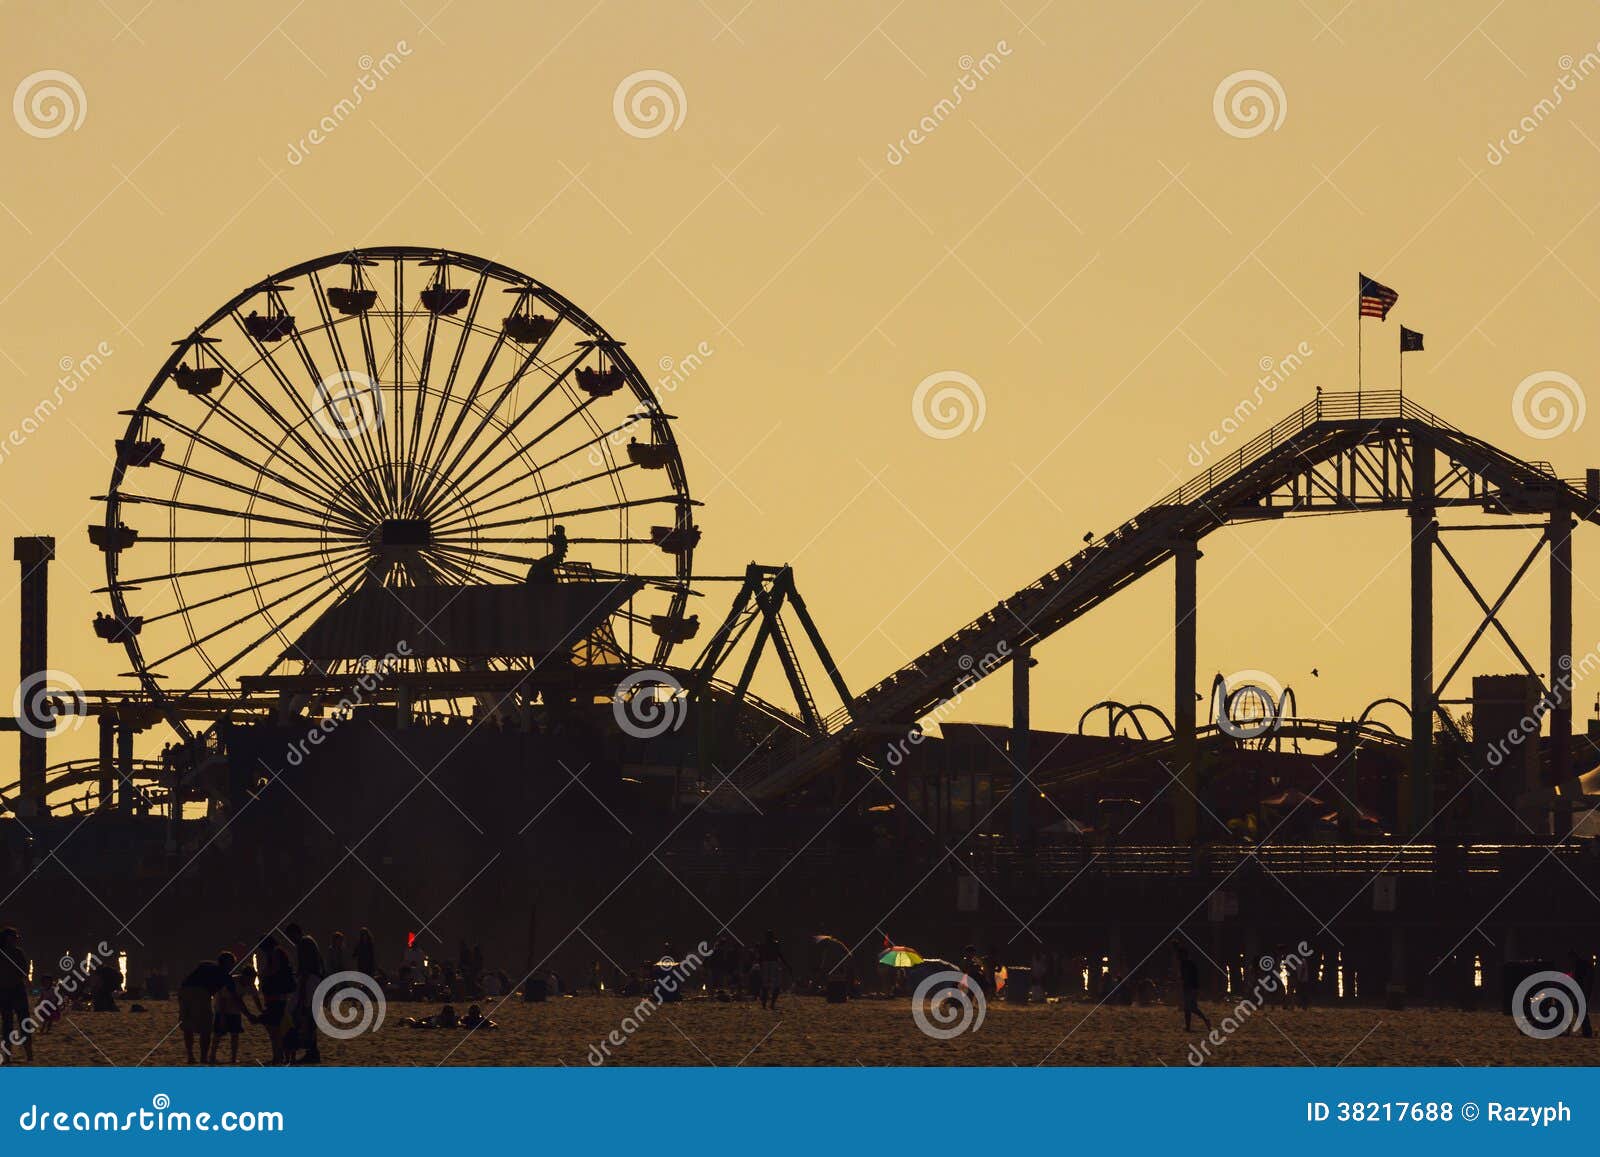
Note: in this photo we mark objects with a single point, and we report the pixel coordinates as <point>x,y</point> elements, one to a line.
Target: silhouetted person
<point>1583,977</point>
<point>366,953</point>
<point>13,992</point>
<point>195,1014</point>
<point>770,960</point>
<point>308,977</point>
<point>1189,984</point>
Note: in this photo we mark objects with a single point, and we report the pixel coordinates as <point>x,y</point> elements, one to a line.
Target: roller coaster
<point>390,469</point>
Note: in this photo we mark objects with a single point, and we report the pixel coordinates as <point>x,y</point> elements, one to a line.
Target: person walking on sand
<point>771,962</point>
<point>1189,983</point>
<point>366,952</point>
<point>13,995</point>
<point>195,1014</point>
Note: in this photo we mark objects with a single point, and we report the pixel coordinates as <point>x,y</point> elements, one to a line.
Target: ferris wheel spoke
<point>330,479</point>
<point>187,471</point>
<point>275,451</point>
<point>447,394</point>
<point>218,568</point>
<point>367,451</point>
<point>344,471</point>
<point>184,608</point>
<point>510,428</point>
<point>522,500</point>
<point>277,629</point>
<point>517,450</point>
<point>475,560</point>
<point>220,511</point>
<point>261,609</point>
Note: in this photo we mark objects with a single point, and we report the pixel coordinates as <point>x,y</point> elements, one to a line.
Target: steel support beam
<point>1416,801</point>
<point>124,766</point>
<point>35,554</point>
<point>108,764</point>
<point>1186,554</point>
<point>1561,659</point>
<point>1022,788</point>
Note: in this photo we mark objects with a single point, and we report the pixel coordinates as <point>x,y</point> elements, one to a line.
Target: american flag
<point>1376,299</point>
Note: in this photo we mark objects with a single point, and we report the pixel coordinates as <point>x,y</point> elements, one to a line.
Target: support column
<point>1021,749</point>
<point>108,765</point>
<point>35,553</point>
<point>1561,660</point>
<point>124,766</point>
<point>1185,554</point>
<point>1416,801</point>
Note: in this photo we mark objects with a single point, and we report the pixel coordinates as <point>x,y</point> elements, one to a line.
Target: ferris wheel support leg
<point>108,759</point>
<point>124,766</point>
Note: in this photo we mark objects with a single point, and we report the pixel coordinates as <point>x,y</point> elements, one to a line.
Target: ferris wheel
<point>392,418</point>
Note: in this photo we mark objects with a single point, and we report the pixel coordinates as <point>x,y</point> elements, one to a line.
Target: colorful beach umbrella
<point>899,956</point>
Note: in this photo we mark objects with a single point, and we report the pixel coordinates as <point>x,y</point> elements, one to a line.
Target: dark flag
<point>1376,299</point>
<point>1410,340</point>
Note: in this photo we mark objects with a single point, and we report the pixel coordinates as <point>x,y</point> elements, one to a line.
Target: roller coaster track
<point>1341,452</point>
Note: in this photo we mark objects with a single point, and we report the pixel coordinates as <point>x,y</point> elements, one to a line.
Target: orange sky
<point>1079,235</point>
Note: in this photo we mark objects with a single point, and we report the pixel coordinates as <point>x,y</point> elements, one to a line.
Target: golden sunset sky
<point>1079,235</point>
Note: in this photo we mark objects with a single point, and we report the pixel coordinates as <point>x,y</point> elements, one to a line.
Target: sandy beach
<point>808,1031</point>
